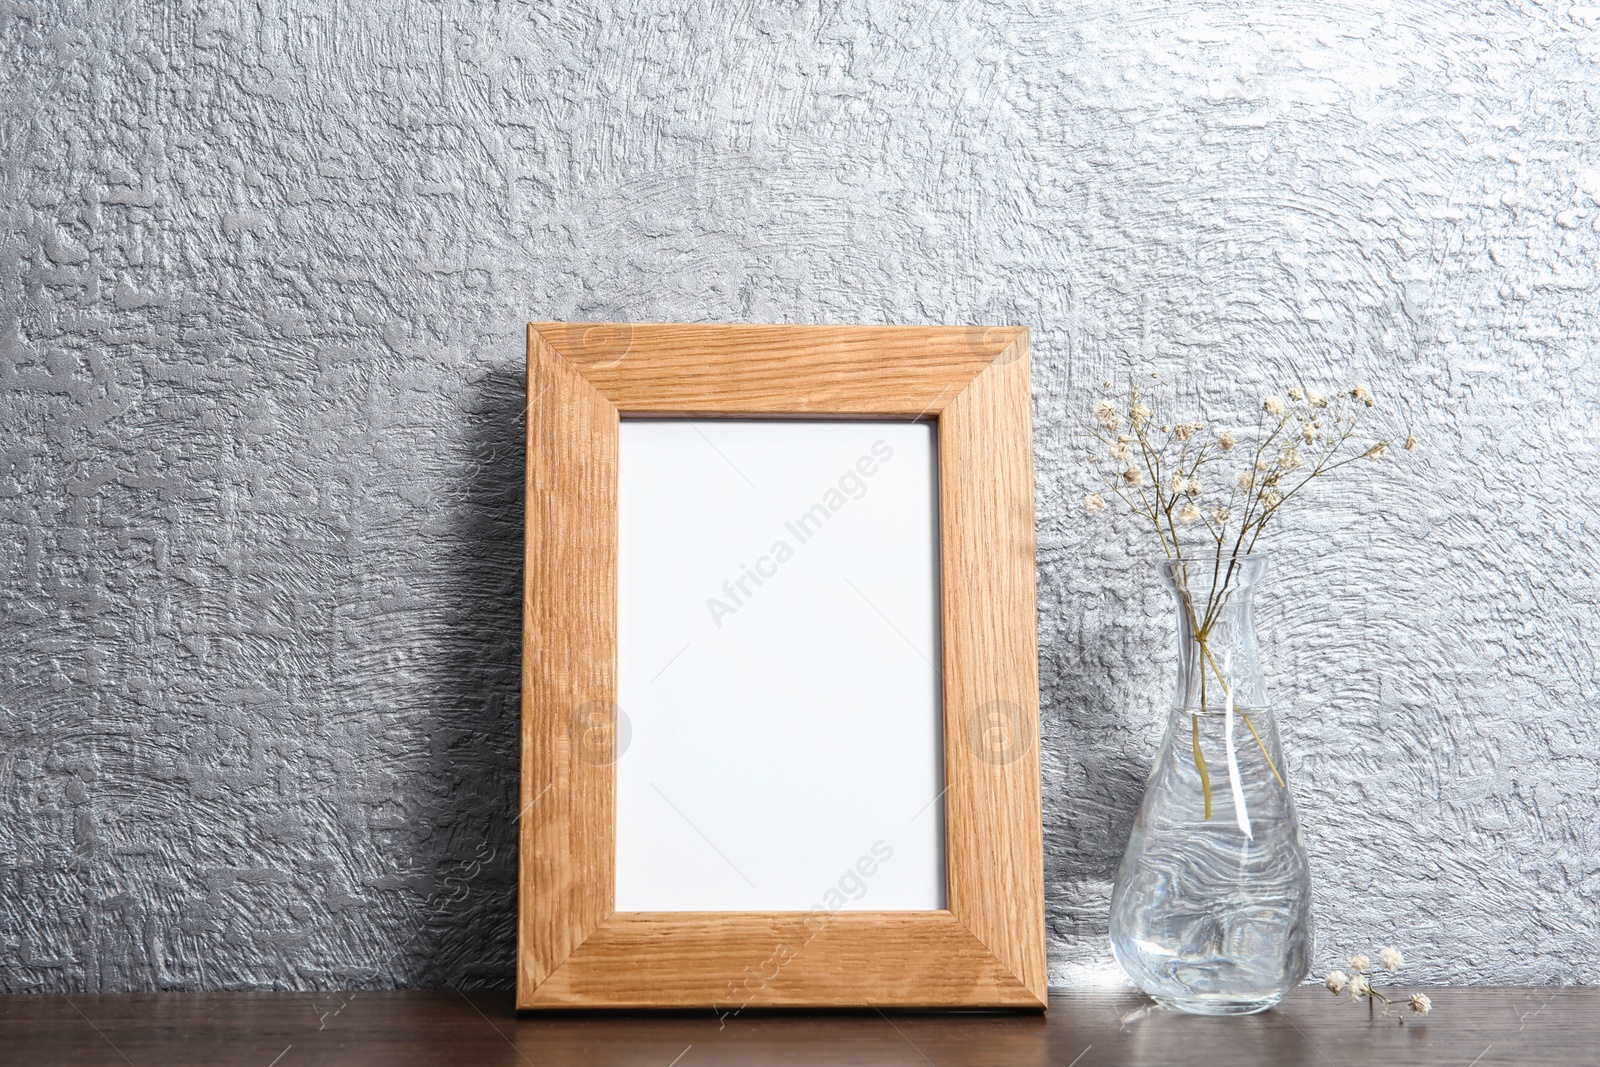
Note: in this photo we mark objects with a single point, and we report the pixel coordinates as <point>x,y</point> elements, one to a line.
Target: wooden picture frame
<point>985,949</point>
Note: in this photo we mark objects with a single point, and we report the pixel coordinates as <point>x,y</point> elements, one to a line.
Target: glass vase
<point>1211,909</point>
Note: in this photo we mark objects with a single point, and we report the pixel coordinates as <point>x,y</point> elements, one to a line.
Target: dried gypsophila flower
<point>1094,503</point>
<point>1359,984</point>
<point>1105,412</point>
<point>1302,444</point>
<point>1189,514</point>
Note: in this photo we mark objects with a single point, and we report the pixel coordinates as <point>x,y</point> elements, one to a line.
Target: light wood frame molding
<point>986,948</point>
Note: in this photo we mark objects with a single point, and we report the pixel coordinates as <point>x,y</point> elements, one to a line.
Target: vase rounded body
<point>1211,908</point>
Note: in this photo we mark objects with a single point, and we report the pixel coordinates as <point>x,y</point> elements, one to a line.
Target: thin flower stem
<point>1152,464</point>
<point>1205,651</point>
<point>1199,760</point>
<point>1245,715</point>
<point>1212,602</point>
<point>1322,467</point>
<point>1200,764</point>
<point>1256,493</point>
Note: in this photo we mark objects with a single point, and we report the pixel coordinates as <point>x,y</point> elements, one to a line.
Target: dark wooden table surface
<point>1468,1028</point>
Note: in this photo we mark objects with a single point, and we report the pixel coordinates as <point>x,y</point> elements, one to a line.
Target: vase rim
<point>1243,572</point>
<point>1248,557</point>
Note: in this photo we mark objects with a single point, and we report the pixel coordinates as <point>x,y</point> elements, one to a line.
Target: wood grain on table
<point>1468,1027</point>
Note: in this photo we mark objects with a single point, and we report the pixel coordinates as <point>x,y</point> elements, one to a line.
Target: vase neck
<point>1218,653</point>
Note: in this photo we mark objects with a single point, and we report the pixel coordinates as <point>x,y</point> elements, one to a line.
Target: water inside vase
<point>1206,917</point>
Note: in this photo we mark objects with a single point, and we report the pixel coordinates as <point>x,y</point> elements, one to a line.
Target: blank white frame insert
<point>780,738</point>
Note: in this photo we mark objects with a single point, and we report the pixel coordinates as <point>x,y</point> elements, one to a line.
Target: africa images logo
<point>851,485</point>
<point>850,886</point>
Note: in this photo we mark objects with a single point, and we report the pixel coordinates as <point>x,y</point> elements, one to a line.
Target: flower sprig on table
<point>1358,984</point>
<point>1222,488</point>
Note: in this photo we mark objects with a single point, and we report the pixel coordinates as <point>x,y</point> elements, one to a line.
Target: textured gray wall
<point>262,278</point>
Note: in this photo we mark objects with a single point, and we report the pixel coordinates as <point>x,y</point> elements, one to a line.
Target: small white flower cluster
<point>1358,983</point>
<point>1158,462</point>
